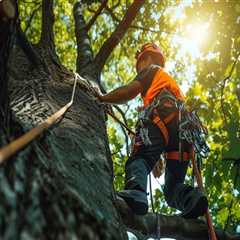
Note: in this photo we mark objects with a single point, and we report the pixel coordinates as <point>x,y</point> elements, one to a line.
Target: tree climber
<point>157,132</point>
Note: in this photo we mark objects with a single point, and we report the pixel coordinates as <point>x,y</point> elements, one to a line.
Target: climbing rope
<point>153,209</point>
<point>16,145</point>
<point>158,227</point>
<point>151,195</point>
<point>211,232</point>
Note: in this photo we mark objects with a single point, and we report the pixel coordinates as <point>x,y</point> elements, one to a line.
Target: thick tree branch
<point>32,16</point>
<point>118,34</point>
<point>47,36</point>
<point>27,47</point>
<point>145,29</point>
<point>123,129</point>
<point>94,18</point>
<point>170,226</point>
<point>84,50</point>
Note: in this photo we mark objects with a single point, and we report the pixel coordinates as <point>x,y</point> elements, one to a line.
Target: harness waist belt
<point>174,155</point>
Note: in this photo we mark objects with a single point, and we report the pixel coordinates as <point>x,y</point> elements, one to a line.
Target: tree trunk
<point>60,186</point>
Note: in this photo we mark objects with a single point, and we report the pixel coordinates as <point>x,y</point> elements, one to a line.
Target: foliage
<point>215,94</point>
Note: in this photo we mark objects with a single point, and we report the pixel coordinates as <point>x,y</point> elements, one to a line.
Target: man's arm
<point>122,94</point>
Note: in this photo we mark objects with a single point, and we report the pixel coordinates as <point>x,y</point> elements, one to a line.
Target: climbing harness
<point>190,127</point>
<point>150,113</point>
<point>192,130</point>
<point>16,145</point>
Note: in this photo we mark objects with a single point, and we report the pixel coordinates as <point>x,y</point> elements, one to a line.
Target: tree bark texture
<point>50,189</point>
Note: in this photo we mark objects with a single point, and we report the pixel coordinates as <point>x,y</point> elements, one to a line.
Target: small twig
<point>31,17</point>
<point>122,114</point>
<point>124,131</point>
<point>97,13</point>
<point>114,153</point>
<point>116,19</point>
<point>224,81</point>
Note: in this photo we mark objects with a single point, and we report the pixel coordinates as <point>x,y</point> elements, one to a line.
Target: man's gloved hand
<point>97,92</point>
<point>159,168</point>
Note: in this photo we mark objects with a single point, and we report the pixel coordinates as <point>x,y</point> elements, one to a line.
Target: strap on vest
<point>174,155</point>
<point>162,123</point>
<point>157,120</point>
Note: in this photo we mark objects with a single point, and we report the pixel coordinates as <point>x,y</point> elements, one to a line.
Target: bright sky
<point>189,42</point>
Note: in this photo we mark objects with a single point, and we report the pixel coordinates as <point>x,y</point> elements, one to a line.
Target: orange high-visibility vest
<point>160,81</point>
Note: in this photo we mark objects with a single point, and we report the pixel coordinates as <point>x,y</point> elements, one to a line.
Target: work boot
<point>196,204</point>
<point>136,200</point>
<point>190,201</point>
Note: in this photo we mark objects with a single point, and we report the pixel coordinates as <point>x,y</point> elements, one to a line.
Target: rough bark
<point>51,189</point>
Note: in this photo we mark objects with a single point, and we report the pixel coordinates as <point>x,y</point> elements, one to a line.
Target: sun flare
<point>192,39</point>
<point>197,33</point>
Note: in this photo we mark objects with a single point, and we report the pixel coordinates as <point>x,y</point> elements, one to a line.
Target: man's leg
<point>183,197</point>
<point>137,168</point>
<point>135,191</point>
<point>189,200</point>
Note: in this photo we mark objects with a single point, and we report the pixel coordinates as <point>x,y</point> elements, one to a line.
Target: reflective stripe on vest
<point>162,80</point>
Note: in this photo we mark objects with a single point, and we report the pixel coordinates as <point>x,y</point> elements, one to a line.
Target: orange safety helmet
<point>152,49</point>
